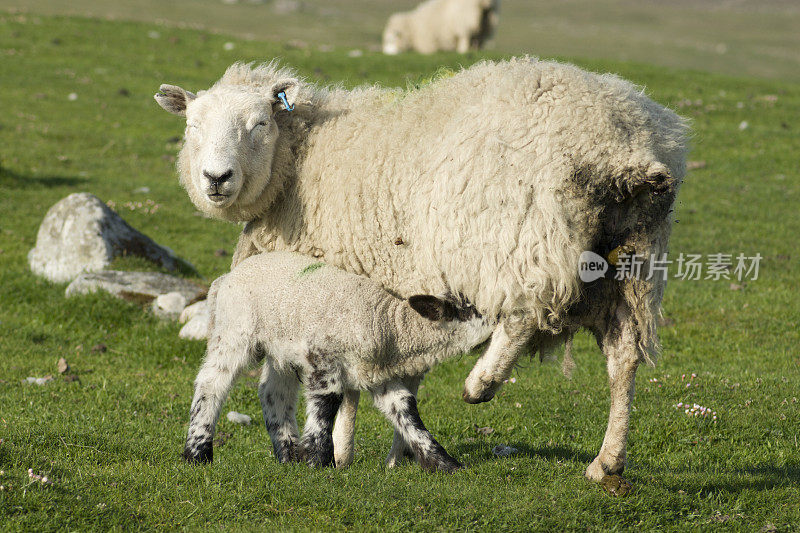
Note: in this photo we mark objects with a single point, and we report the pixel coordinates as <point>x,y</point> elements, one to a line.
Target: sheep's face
<point>395,38</point>
<point>226,161</point>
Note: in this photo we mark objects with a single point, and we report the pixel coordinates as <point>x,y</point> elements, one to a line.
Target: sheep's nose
<point>218,179</point>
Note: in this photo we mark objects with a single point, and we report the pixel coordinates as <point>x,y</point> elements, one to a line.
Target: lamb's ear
<point>174,99</point>
<point>284,94</point>
<point>432,307</point>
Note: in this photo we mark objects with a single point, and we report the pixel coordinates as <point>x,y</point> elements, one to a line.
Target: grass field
<point>110,441</point>
<point>735,37</point>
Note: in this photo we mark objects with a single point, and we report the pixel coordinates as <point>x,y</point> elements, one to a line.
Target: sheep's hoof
<point>484,396</point>
<point>616,485</point>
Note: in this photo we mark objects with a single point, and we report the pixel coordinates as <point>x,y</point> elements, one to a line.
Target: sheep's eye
<point>263,123</point>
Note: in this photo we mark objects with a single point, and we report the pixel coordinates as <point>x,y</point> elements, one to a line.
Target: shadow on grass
<point>482,452</point>
<point>760,477</point>
<point>13,180</point>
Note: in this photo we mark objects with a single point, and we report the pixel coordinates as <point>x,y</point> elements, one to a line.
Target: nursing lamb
<point>489,183</point>
<point>333,332</point>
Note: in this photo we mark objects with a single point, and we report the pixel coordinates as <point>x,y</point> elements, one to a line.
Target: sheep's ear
<point>431,307</point>
<point>174,99</point>
<point>284,94</point>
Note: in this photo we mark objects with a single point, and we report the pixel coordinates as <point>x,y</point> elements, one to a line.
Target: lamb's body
<point>489,183</point>
<point>445,25</point>
<point>335,332</point>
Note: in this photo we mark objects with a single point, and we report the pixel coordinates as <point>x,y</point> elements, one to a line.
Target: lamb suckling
<point>490,183</point>
<point>334,332</point>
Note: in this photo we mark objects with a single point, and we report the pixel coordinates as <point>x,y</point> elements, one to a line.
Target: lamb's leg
<point>324,393</point>
<point>620,348</point>
<point>400,449</point>
<point>509,341</point>
<point>226,358</point>
<point>344,429</point>
<point>397,403</point>
<point>277,392</point>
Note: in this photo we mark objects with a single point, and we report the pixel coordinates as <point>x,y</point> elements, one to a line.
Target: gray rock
<point>82,234</point>
<point>140,287</point>
<point>169,305</point>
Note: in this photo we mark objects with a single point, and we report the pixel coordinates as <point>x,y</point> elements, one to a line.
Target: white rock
<point>191,311</point>
<point>169,305</point>
<point>196,328</point>
<point>82,234</point>
<point>239,418</point>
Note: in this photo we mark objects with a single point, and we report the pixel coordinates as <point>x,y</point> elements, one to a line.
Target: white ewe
<point>334,332</point>
<point>435,25</point>
<point>489,183</point>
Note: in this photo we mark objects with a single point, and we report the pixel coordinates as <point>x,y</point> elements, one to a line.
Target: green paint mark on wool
<point>311,268</point>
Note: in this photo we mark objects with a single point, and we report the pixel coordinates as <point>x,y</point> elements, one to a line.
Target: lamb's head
<point>230,140</point>
<point>396,36</point>
<point>466,327</point>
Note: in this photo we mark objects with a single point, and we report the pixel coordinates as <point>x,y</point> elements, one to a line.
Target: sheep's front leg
<point>462,44</point>
<point>400,449</point>
<point>620,348</point>
<point>397,403</point>
<point>344,429</point>
<point>277,392</point>
<point>509,341</point>
<point>225,360</point>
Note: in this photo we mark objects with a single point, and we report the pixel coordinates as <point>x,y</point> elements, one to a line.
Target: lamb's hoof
<point>203,454</point>
<point>616,485</point>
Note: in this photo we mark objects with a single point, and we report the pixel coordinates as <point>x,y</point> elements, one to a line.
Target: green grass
<point>740,38</point>
<point>110,441</point>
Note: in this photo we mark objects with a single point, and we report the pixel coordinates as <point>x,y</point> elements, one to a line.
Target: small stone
<point>142,190</point>
<point>694,165</point>
<point>501,450</point>
<point>220,252</point>
<point>39,381</point>
<point>239,418</point>
<point>355,53</point>
<point>228,46</point>
<point>484,430</point>
<point>63,366</point>
<point>736,287</point>
<point>72,97</point>
<point>743,125</point>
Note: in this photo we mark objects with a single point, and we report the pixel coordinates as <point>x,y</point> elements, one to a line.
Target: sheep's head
<point>231,134</point>
<point>396,36</point>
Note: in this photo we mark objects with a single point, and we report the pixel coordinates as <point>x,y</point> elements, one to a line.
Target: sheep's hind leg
<point>400,449</point>
<point>225,360</point>
<point>620,348</point>
<point>277,392</point>
<point>397,403</point>
<point>509,341</point>
<point>344,429</point>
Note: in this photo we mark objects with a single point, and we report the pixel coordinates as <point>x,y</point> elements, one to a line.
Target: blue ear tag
<point>282,98</point>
